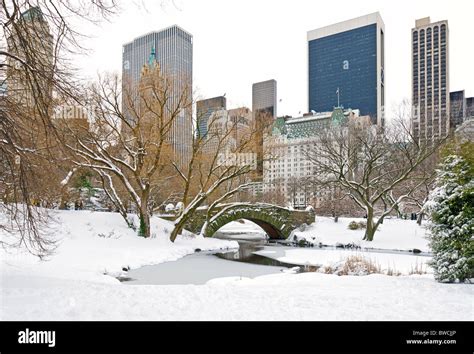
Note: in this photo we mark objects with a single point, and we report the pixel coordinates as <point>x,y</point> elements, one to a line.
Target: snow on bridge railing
<point>255,205</point>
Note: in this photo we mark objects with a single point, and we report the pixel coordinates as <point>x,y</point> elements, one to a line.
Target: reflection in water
<point>245,254</point>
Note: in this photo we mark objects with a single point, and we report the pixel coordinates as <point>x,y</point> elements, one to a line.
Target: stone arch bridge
<point>276,221</point>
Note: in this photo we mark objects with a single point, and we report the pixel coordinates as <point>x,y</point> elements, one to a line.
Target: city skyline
<point>234,75</point>
<point>210,160</point>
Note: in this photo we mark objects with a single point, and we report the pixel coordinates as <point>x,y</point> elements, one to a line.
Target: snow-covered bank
<point>402,263</point>
<point>393,234</point>
<point>71,285</point>
<point>307,296</point>
<point>94,243</point>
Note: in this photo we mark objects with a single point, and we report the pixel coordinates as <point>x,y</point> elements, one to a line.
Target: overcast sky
<point>239,42</point>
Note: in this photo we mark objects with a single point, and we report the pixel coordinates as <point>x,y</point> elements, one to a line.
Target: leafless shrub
<point>418,269</point>
<point>392,272</point>
<point>354,265</point>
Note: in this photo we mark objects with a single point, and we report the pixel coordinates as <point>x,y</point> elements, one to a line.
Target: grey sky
<point>239,42</point>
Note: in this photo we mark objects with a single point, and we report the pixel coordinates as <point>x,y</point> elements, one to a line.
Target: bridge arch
<point>276,221</point>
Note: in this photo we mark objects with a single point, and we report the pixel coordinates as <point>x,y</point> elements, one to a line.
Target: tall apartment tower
<point>264,108</point>
<point>264,97</point>
<point>430,80</point>
<point>173,49</point>
<point>204,110</point>
<point>346,63</point>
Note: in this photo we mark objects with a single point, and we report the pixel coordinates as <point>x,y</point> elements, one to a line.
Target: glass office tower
<point>264,97</point>
<point>173,49</point>
<point>346,67</point>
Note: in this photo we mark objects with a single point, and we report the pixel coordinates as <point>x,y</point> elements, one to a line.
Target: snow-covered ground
<point>395,234</point>
<point>306,296</point>
<point>71,285</point>
<point>93,243</point>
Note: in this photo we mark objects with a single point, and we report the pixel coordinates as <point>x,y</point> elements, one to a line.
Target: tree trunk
<point>144,229</point>
<point>370,230</point>
<point>204,228</point>
<point>183,218</point>
<point>420,218</point>
<point>178,228</point>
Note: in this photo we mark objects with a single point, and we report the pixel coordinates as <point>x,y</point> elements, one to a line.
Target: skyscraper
<point>346,67</point>
<point>228,130</point>
<point>264,108</point>
<point>430,80</point>
<point>173,49</point>
<point>204,109</point>
<point>264,97</point>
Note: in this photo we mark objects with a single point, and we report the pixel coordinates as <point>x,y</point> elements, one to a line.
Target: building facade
<point>469,108</point>
<point>173,49</point>
<point>204,109</point>
<point>264,107</point>
<point>264,97</point>
<point>36,36</point>
<point>457,108</point>
<point>227,129</point>
<point>430,80</point>
<point>287,167</point>
<point>346,64</point>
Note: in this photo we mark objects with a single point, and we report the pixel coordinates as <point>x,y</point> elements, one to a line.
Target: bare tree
<point>420,196</point>
<point>369,164</point>
<point>37,41</point>
<point>130,146</point>
<point>332,200</point>
<point>219,161</point>
<point>274,195</point>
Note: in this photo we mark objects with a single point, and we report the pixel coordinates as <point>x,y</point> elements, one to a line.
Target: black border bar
<point>209,337</point>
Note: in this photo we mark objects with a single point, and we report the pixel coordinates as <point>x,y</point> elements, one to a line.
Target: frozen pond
<point>198,268</point>
<point>255,257</point>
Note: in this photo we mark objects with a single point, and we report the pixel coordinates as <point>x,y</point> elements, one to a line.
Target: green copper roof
<point>308,126</point>
<point>33,13</point>
<point>306,129</point>
<point>338,117</point>
<point>279,126</point>
<point>152,57</point>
